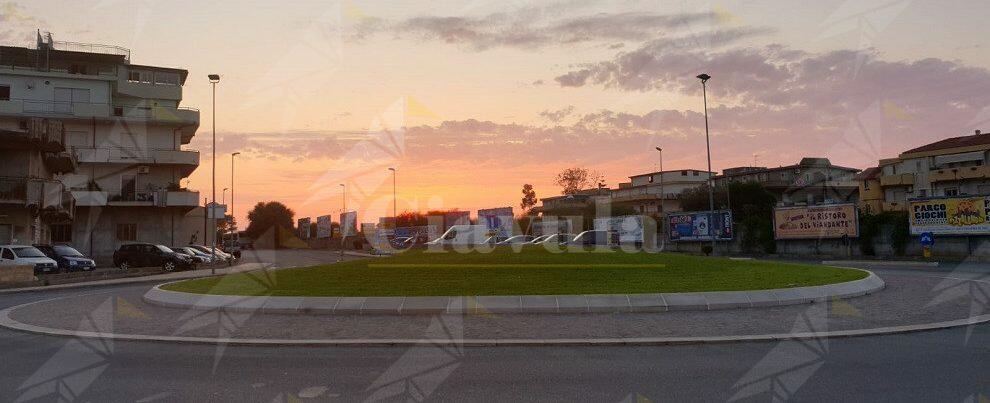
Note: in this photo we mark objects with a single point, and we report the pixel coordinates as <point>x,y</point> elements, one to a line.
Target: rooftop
<point>978,139</point>
<point>806,162</point>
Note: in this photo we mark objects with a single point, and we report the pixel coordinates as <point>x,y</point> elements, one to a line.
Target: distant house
<point>810,181</point>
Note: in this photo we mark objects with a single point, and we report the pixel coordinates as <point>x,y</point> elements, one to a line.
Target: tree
<point>573,180</point>
<point>528,199</point>
<point>266,215</point>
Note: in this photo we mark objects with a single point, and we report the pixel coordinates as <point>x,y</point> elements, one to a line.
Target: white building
<point>646,192</point>
<point>114,169</point>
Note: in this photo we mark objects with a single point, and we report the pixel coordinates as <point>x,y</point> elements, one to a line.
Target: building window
<point>4,92</point>
<point>952,191</point>
<point>77,69</point>
<point>683,173</point>
<point>61,232</point>
<point>127,232</point>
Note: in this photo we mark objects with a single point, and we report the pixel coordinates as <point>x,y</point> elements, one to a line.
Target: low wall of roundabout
<point>524,304</point>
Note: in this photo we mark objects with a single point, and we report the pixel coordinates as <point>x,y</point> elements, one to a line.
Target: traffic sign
<point>927,239</point>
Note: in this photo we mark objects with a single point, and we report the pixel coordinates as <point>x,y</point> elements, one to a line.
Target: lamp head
<point>704,77</point>
<point>659,148</point>
<point>391,169</point>
<point>214,78</point>
<point>236,153</point>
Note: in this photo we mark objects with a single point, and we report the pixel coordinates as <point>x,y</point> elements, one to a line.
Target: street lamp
<point>660,150</point>
<point>711,191</point>
<point>395,211</point>
<point>223,196</point>
<point>214,79</point>
<point>232,155</point>
<point>343,198</point>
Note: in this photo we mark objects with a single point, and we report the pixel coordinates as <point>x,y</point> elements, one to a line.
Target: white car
<point>223,256</point>
<point>27,255</point>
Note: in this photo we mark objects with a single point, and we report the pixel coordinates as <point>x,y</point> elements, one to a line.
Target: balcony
<point>48,196</point>
<point>961,173</point>
<point>187,159</point>
<point>40,134</point>
<point>61,162</point>
<point>118,198</point>
<point>104,111</point>
<point>897,180</point>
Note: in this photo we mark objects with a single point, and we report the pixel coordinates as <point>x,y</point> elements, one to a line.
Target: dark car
<point>67,257</point>
<point>150,255</point>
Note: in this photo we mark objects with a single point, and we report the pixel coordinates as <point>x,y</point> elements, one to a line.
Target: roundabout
<point>866,305</point>
<point>714,355</point>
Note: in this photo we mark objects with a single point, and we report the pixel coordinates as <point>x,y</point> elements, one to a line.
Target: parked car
<point>232,247</point>
<point>197,256</point>
<point>557,239</point>
<point>28,255</point>
<point>517,240</point>
<point>224,256</point>
<point>67,258</point>
<point>151,255</point>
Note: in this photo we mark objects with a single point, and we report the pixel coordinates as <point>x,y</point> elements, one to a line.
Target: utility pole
<point>711,185</point>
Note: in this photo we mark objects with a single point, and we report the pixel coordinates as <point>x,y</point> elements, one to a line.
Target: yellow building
<point>952,167</point>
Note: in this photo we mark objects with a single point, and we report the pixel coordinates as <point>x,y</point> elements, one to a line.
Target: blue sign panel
<point>700,226</point>
<point>927,239</point>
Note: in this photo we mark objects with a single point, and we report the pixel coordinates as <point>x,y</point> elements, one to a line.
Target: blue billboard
<point>700,226</point>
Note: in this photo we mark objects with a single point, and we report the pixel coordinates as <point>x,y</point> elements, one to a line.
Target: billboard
<point>348,224</point>
<point>422,232</point>
<point>302,228</point>
<point>452,218</point>
<point>816,222</point>
<point>629,227</point>
<point>950,216</point>
<point>700,226</point>
<point>498,220</point>
<point>324,226</point>
<point>549,225</point>
<point>367,228</point>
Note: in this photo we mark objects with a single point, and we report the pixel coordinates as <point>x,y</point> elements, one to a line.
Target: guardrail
<point>131,155</point>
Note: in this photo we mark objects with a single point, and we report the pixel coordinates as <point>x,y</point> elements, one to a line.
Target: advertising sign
<point>302,228</point>
<point>452,218</point>
<point>700,226</point>
<point>950,216</point>
<point>324,226</point>
<point>547,226</point>
<point>216,211</point>
<point>368,228</point>
<point>497,220</point>
<point>816,222</point>
<point>629,228</point>
<point>348,224</point>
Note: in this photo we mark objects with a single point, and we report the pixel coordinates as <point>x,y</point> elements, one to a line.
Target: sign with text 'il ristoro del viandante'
<point>816,222</point>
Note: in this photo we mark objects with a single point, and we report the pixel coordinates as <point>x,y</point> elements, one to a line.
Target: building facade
<point>952,167</point>
<point>658,192</point>
<point>811,181</point>
<point>115,147</point>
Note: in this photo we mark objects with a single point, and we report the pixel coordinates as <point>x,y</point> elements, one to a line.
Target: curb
<point>661,302</point>
<point>7,322</point>
<point>910,263</point>
<point>121,281</point>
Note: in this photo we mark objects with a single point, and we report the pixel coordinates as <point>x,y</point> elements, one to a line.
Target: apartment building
<point>656,192</point>
<point>952,167</point>
<point>101,149</point>
<point>811,181</point>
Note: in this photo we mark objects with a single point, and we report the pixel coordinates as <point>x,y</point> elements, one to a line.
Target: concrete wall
<point>94,230</point>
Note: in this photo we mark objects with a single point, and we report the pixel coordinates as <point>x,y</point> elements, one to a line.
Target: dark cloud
<point>532,28</point>
<point>558,115</point>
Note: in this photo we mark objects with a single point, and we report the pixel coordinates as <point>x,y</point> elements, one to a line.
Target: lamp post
<point>660,150</point>
<point>395,210</point>
<point>232,155</point>
<point>223,196</point>
<point>343,209</point>
<point>711,191</point>
<point>214,79</point>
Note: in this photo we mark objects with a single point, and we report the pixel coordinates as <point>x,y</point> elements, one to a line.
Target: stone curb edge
<point>122,281</point>
<point>7,322</point>
<point>907,263</point>
<point>661,302</point>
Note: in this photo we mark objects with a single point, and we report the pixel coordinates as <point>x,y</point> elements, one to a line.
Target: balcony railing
<point>45,193</point>
<point>897,180</point>
<point>959,173</point>
<point>131,155</point>
<point>98,110</point>
<point>118,197</point>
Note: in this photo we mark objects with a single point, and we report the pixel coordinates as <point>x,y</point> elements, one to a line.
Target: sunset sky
<point>470,100</point>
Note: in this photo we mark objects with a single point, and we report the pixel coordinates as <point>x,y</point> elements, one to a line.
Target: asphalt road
<point>948,365</point>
